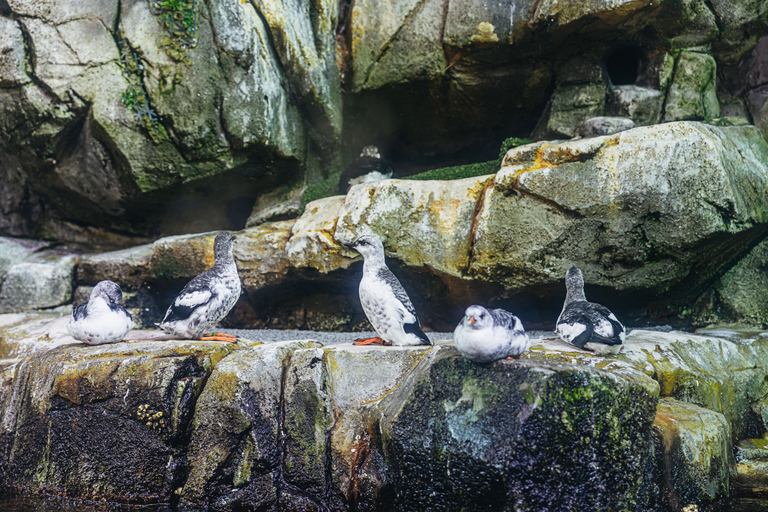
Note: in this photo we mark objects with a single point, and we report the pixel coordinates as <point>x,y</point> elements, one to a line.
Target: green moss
<point>458,172</point>
<point>326,188</point>
<point>330,186</point>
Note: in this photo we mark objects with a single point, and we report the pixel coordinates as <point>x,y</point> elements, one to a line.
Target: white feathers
<point>569,332</point>
<point>101,320</point>
<point>193,299</point>
<point>485,336</point>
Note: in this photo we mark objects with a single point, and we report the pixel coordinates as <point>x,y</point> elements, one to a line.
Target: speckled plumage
<point>484,336</point>
<point>384,300</point>
<point>588,324</point>
<point>102,319</point>
<point>369,166</point>
<point>208,297</point>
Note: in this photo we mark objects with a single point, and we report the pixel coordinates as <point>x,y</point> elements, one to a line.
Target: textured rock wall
<point>104,103</point>
<point>294,425</point>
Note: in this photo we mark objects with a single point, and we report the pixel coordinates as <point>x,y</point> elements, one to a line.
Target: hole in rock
<point>622,65</point>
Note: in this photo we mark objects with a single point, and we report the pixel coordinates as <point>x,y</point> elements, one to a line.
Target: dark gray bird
<point>484,336</point>
<point>384,300</point>
<point>207,298</point>
<point>102,319</point>
<point>587,324</point>
<point>369,166</point>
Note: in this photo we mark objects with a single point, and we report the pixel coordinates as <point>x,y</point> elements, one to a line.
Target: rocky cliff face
<point>299,426</point>
<point>124,120</point>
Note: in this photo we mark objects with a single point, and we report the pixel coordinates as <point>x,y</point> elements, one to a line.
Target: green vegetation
<point>330,186</point>
<point>179,19</point>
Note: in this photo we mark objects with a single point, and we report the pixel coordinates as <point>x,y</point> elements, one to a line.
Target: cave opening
<point>623,65</point>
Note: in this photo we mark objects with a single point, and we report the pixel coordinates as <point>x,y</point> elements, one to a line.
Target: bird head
<point>477,317</point>
<point>222,246</point>
<point>109,291</point>
<point>370,246</point>
<point>371,151</point>
<point>574,283</point>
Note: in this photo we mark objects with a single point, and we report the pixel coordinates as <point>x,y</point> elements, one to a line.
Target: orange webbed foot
<point>219,336</point>
<point>370,341</point>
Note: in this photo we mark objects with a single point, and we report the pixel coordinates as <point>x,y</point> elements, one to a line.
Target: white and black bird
<point>484,336</point>
<point>369,166</point>
<point>587,324</point>
<point>207,298</point>
<point>102,319</point>
<point>384,300</point>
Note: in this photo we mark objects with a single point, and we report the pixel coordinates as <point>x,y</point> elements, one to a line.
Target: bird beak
<point>348,244</point>
<point>472,320</point>
<point>234,238</point>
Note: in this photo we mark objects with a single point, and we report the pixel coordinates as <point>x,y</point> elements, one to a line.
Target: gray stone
<point>128,267</point>
<point>739,295</point>
<point>13,251</point>
<point>590,182</point>
<point>241,401</point>
<point>599,126</point>
<point>43,280</point>
<point>282,203</point>
<point>12,57</point>
<point>692,94</point>
<point>757,102</point>
<point>641,104</point>
<point>694,454</point>
<point>569,107</point>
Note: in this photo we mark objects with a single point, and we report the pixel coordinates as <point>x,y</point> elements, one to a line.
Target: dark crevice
<point>475,220</point>
<point>718,21</point>
<point>31,58</point>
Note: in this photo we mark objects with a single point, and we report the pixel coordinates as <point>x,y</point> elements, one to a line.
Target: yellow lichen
<point>485,34</point>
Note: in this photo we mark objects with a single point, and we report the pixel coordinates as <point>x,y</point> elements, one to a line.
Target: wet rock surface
<point>277,425</point>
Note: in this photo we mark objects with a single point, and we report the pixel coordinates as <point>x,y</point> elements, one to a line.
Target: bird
<point>384,300</point>
<point>369,166</point>
<point>587,324</point>
<point>102,319</point>
<point>207,298</point>
<point>485,336</point>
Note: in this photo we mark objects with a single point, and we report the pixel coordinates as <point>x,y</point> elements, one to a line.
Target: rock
<point>739,295</point>
<point>757,102</point>
<point>423,223</point>
<point>241,401</point>
<point>312,243</point>
<point>692,93</point>
<point>281,204</point>
<point>599,126</point>
<point>22,334</point>
<point>182,256</point>
<point>397,44</point>
<point>694,453</point>
<point>448,439</point>
<point>128,267</point>
<point>85,73</point>
<point>750,479</point>
<point>568,108</point>
<point>98,416</point>
<point>260,254</point>
<point>13,251</point>
<point>708,372</point>
<point>43,280</point>
<point>295,424</point>
<point>641,104</point>
<point>583,193</point>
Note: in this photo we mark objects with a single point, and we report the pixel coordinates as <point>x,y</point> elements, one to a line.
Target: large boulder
<point>647,214</point>
<point>43,280</point>
<point>279,425</point>
<point>104,104</point>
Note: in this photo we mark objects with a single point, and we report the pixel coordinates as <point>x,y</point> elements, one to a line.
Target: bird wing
<point>192,296</point>
<point>405,309</point>
<point>575,325</point>
<point>505,319</point>
<point>80,311</point>
<point>602,318</point>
